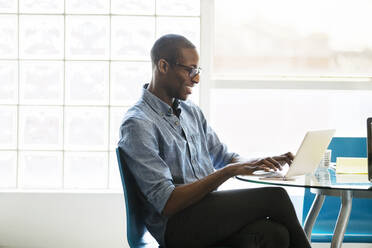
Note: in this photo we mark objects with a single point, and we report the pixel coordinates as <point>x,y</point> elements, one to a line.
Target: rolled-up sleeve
<point>141,152</point>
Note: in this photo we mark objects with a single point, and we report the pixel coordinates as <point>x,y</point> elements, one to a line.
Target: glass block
<point>41,6</point>
<point>8,6</point>
<point>86,170</point>
<point>87,7</point>
<point>8,127</point>
<point>40,169</point>
<point>8,37</point>
<point>41,36</point>
<point>127,80</point>
<point>86,128</point>
<point>9,82</point>
<point>87,82</point>
<point>40,128</point>
<point>132,37</point>
<point>116,116</point>
<point>8,169</point>
<point>133,7</point>
<point>41,82</point>
<point>178,7</point>
<point>114,176</point>
<point>186,26</point>
<point>87,37</point>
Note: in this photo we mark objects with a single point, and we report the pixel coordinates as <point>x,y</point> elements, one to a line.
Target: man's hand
<point>266,164</point>
<point>286,158</point>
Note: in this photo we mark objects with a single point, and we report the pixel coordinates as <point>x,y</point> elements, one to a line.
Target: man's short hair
<point>169,47</point>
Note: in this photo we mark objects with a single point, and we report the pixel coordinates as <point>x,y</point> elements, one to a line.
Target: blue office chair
<point>137,234</point>
<point>359,229</point>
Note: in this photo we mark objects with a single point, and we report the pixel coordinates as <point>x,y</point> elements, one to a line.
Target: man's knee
<point>275,194</point>
<point>278,191</point>
<point>274,234</point>
<point>269,234</point>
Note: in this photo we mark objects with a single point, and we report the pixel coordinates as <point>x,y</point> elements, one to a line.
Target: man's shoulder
<point>138,114</point>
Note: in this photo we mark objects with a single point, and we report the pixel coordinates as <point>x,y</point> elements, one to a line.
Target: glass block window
<point>69,71</point>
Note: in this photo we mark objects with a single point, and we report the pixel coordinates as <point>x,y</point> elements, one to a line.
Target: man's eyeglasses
<point>192,70</point>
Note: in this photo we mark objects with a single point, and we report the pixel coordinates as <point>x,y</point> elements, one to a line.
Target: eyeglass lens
<point>194,72</point>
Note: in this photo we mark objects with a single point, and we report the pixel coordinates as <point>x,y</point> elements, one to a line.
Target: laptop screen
<point>369,147</point>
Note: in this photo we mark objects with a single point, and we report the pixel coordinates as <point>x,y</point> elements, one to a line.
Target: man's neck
<point>160,93</point>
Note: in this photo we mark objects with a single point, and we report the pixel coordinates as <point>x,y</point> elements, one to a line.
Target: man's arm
<point>188,194</point>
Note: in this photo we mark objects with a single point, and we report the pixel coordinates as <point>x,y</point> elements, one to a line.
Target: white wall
<point>62,219</point>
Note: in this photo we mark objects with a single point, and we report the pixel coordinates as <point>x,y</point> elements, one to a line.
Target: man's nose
<point>196,79</point>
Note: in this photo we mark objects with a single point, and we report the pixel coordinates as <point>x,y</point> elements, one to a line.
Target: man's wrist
<point>230,171</point>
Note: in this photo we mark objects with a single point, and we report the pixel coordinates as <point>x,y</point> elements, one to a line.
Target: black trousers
<point>249,218</point>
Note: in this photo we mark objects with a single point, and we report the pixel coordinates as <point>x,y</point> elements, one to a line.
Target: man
<point>178,162</point>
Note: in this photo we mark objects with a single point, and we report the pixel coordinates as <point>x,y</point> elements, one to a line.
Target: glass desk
<point>326,183</point>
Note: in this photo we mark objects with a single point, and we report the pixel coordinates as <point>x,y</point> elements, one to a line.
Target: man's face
<point>180,82</point>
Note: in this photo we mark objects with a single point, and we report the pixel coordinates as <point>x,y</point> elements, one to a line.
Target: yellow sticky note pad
<point>351,165</point>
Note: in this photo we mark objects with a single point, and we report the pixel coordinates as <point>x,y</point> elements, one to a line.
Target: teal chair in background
<point>137,234</point>
<point>359,229</point>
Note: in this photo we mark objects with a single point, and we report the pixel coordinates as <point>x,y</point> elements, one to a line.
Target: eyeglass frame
<point>193,72</point>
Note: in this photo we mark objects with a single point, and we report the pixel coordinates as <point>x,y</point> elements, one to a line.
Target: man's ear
<point>163,66</point>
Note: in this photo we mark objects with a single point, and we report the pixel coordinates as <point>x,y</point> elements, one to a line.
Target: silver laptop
<point>307,157</point>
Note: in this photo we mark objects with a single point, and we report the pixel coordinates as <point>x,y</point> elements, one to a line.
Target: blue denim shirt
<point>163,151</point>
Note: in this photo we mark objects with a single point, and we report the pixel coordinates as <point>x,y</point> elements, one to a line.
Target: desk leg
<point>343,218</point>
<point>313,214</point>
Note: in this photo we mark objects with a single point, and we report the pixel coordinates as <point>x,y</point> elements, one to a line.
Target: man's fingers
<point>269,164</point>
<point>284,160</point>
<point>250,168</point>
<point>289,155</point>
<point>261,167</point>
<point>287,158</point>
<point>275,163</point>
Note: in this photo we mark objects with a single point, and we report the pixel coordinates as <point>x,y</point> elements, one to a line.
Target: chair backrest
<point>137,233</point>
<point>348,147</point>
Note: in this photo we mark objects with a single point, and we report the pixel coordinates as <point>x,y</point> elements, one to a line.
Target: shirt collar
<point>157,104</point>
